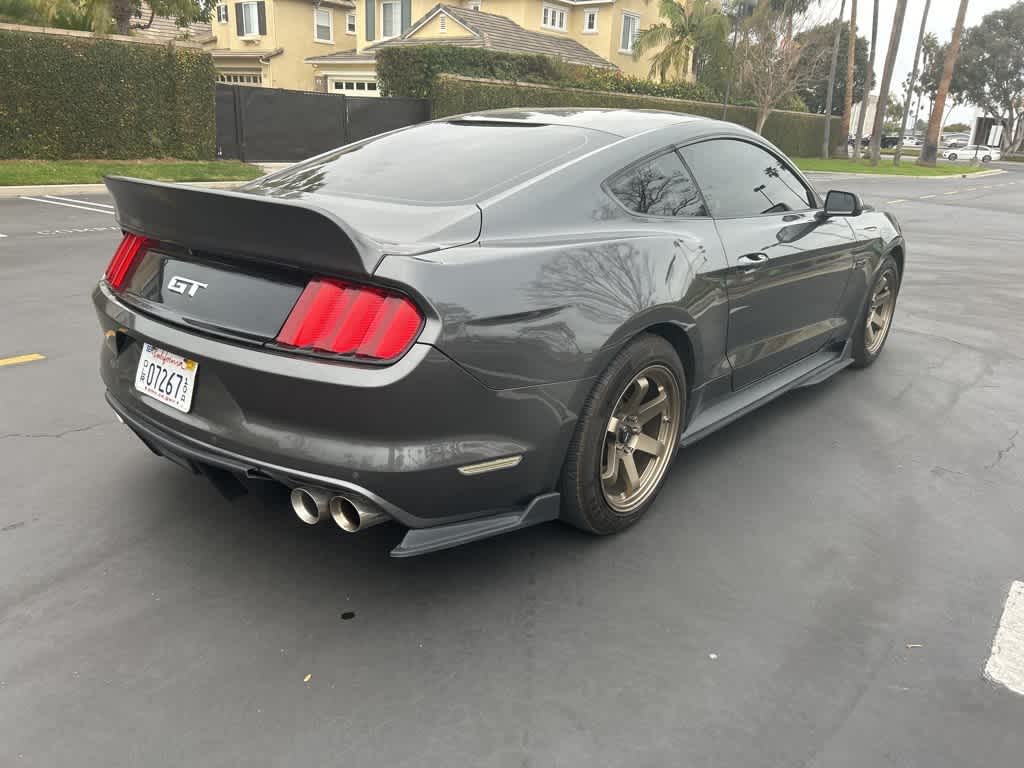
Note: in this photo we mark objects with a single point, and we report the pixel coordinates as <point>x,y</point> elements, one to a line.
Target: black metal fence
<point>275,125</point>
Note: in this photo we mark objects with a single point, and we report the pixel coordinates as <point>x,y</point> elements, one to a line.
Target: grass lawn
<point>17,172</point>
<point>885,167</point>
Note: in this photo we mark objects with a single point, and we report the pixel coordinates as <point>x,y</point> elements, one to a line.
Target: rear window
<point>439,163</point>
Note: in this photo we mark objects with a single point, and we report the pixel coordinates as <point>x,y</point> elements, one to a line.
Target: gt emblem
<point>184,285</point>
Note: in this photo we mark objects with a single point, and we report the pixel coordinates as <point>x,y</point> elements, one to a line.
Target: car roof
<point>620,122</point>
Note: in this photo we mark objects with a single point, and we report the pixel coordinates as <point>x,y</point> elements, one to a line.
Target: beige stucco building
<point>331,44</point>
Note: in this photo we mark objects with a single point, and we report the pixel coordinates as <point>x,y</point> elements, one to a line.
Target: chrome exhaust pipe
<point>354,514</point>
<point>310,504</point>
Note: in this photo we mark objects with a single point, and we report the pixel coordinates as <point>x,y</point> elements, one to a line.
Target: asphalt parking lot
<point>819,584</point>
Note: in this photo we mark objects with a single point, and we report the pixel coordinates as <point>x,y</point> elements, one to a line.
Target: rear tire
<point>626,438</point>
<point>986,158</point>
<point>952,155</point>
<point>876,318</point>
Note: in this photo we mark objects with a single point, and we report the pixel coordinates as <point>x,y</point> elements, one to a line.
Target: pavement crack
<point>52,435</point>
<point>1004,451</point>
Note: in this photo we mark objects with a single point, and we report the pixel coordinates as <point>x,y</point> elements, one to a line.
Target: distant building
<point>869,114</point>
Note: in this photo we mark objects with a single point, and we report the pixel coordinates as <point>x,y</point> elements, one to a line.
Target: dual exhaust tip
<point>351,513</point>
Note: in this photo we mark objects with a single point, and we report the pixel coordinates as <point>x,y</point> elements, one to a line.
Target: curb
<point>86,189</point>
<point>889,177</point>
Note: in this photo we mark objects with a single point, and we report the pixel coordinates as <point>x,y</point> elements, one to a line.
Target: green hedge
<point>795,133</point>
<point>71,97</point>
<point>411,70</point>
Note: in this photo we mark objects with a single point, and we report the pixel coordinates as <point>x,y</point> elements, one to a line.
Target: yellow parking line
<point>17,360</point>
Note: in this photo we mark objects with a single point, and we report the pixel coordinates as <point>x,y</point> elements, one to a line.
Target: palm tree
<point>883,89</point>
<point>867,84</point>
<point>826,150</point>
<point>844,126</point>
<point>912,83</point>
<point>931,140</point>
<point>677,36</point>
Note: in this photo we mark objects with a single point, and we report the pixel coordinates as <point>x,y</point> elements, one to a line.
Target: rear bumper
<point>397,434</point>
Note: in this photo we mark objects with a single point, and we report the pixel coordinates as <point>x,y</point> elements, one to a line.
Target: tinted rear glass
<point>438,163</point>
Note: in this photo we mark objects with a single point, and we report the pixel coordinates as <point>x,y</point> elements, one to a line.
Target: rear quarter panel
<point>562,276</point>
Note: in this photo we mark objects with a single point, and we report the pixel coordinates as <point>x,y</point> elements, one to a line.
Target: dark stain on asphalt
<point>348,615</point>
<point>12,526</point>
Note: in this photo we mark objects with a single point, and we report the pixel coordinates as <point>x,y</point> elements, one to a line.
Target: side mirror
<point>841,204</point>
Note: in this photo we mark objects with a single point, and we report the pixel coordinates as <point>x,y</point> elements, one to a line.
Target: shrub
<point>795,133</point>
<point>83,97</point>
<point>411,70</point>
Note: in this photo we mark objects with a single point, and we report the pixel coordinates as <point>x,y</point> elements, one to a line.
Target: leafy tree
<point>103,15</point>
<point>991,70</point>
<point>956,128</point>
<point>893,115</point>
<point>698,28</point>
<point>773,62</point>
<point>817,42</point>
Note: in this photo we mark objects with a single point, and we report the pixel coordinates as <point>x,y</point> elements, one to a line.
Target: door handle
<point>752,259</point>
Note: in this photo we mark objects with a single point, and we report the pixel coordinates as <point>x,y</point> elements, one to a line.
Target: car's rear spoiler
<point>268,229</point>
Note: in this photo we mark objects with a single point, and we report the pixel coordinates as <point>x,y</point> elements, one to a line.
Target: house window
<point>323,25</point>
<point>350,23</point>
<point>590,21</point>
<point>249,19</point>
<point>630,29</point>
<point>356,87</point>
<point>222,14</point>
<point>442,23</point>
<point>553,18</point>
<point>390,19</point>
<point>241,78</point>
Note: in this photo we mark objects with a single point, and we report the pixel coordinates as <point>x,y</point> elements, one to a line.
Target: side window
<point>658,187</point>
<point>742,179</point>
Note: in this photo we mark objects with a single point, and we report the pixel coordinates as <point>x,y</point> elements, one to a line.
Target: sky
<point>941,18</point>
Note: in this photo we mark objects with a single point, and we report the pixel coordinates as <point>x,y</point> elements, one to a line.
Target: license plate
<point>169,378</point>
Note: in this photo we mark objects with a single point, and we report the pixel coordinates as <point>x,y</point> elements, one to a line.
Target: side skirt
<point>804,373</point>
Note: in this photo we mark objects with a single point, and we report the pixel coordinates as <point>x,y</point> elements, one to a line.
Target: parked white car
<point>911,141</point>
<point>972,151</point>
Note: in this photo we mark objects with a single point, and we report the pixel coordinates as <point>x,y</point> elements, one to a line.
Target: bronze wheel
<point>880,310</point>
<point>640,439</point>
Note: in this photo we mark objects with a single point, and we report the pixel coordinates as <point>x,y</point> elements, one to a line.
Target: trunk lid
<point>235,263</point>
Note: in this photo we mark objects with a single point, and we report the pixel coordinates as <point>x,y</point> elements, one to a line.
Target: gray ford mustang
<point>485,322</point>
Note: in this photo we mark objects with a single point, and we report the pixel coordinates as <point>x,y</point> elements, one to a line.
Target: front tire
<point>986,159</point>
<point>876,319</point>
<point>952,156</point>
<point>626,438</point>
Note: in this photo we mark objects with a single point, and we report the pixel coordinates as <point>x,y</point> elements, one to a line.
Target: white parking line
<point>83,202</point>
<point>2,234</point>
<point>898,200</point>
<point>67,205</point>
<point>970,189</point>
<point>925,197</point>
<point>1006,663</point>
<point>951,193</point>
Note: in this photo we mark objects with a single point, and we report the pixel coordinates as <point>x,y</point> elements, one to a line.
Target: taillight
<point>345,319</point>
<point>131,247</point>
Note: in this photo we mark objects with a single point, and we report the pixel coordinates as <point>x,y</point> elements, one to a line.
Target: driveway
<point>819,584</point>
